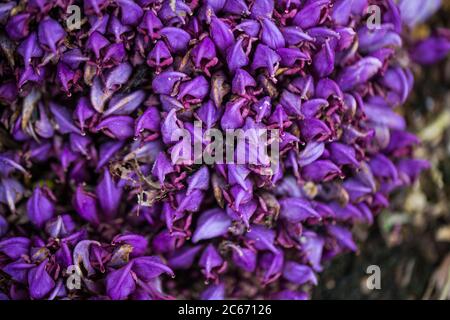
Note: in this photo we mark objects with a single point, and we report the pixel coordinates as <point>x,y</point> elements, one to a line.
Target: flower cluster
<point>88,111</point>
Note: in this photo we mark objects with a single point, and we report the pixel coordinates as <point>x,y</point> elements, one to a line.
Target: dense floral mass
<point>88,191</point>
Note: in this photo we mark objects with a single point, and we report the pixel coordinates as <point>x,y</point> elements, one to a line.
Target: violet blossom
<point>87,182</point>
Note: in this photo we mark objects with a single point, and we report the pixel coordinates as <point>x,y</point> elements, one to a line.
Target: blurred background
<point>410,242</point>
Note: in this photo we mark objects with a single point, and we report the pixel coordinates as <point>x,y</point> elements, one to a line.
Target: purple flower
<point>131,12</point>
<point>295,210</point>
<point>29,48</point>
<point>11,191</point>
<point>162,167</point>
<point>40,281</point>
<point>324,60</point>
<point>341,11</point>
<point>431,50</point>
<point>414,12</point>
<point>214,292</point>
<point>160,56</point>
<point>266,58</point>
<point>244,258</point>
<point>109,195</point>
<point>271,35</point>
<point>221,34</point>
<point>164,82</point>
<point>238,7</point>
<point>96,43</point>
<point>120,283</point>
<point>236,56</point>
<point>299,274</point>
<point>343,237</point>
<point>148,268</point>
<point>184,258</point>
<point>118,127</point>
<point>320,170</point>
<point>149,120</point>
<point>40,208</point>
<point>232,117</point>
<point>50,33</point>
<point>60,226</point>
<point>211,224</point>
<point>195,89</point>
<point>17,26</point>
<point>15,247</point>
<point>63,119</point>
<point>210,260</point>
<point>86,205</point>
<point>262,238</point>
<point>311,14</point>
<point>95,115</point>
<point>342,154</point>
<point>177,38</point>
<point>359,73</point>
<point>199,180</point>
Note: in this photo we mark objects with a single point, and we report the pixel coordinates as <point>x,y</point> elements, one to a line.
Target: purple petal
<point>343,236</point>
<point>237,7</point>
<point>177,38</point>
<point>221,34</point>
<point>244,258</point>
<point>109,195</point>
<point>236,56</point>
<point>359,73</point>
<point>63,119</point>
<point>184,258</point>
<point>125,104</point>
<point>50,33</point>
<point>415,12</point>
<point>39,207</point>
<point>263,238</point>
<point>39,281</point>
<point>214,292</point>
<point>131,12</point>
<point>431,50</point>
<point>310,14</point>
<point>86,205</point>
<point>164,82</point>
<point>15,247</point>
<point>209,260</point>
<point>296,210</point>
<point>199,180</point>
<point>263,8</point>
<point>149,120</point>
<point>119,127</point>
<point>271,35</point>
<point>120,283</point>
<point>162,167</point>
<point>343,154</point>
<point>29,48</point>
<point>212,223</point>
<point>266,58</point>
<point>208,114</point>
<point>18,26</point>
<point>321,170</point>
<point>148,268</point>
<point>299,274</point>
